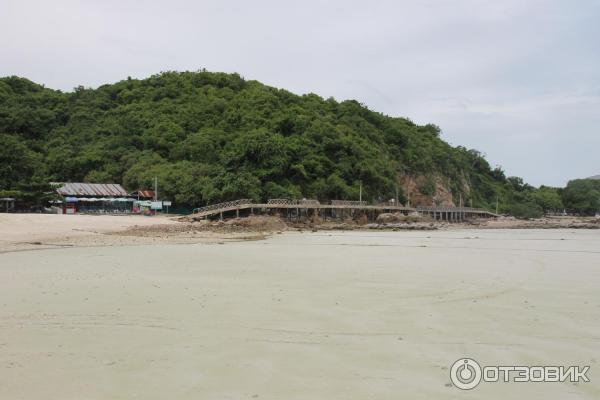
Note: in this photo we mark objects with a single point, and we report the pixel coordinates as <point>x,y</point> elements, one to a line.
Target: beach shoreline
<point>20,232</point>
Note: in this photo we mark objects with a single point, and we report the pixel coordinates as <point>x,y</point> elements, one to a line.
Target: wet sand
<point>341,315</point>
<point>35,231</point>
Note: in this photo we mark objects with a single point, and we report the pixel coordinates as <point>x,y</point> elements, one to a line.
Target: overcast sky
<point>518,80</point>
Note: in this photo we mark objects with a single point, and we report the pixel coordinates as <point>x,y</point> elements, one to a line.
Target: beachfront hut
<point>143,194</point>
<point>93,198</point>
<point>143,202</point>
<point>7,204</point>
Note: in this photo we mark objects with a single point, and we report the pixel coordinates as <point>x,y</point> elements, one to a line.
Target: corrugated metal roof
<point>92,189</point>
<point>146,193</point>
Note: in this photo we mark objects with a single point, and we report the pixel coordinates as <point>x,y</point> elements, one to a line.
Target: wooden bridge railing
<point>342,204</point>
<point>282,201</point>
<point>351,203</point>
<point>291,202</point>
<point>225,205</point>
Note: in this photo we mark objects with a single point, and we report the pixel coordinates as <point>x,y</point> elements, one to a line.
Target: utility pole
<point>396,195</point>
<point>155,188</point>
<point>360,192</point>
<point>407,178</point>
<point>496,204</point>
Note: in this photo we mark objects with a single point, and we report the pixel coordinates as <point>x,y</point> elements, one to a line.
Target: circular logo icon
<point>465,373</point>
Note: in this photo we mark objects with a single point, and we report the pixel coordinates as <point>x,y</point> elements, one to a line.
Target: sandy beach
<point>21,232</point>
<point>24,231</point>
<point>313,315</point>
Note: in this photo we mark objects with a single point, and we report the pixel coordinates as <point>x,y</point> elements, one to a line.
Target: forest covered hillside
<point>211,137</point>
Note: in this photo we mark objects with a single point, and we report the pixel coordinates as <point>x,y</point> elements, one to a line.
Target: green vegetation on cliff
<point>214,136</point>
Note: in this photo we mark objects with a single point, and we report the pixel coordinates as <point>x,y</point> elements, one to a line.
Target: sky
<point>518,80</point>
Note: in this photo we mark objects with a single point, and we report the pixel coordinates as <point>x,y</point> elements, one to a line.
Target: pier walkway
<point>338,208</point>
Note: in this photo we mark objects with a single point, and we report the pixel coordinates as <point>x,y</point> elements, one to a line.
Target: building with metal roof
<point>91,189</point>
<point>143,194</point>
<point>93,198</point>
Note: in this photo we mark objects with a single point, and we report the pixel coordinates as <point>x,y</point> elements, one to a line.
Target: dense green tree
<point>22,172</point>
<point>526,210</point>
<point>548,198</point>
<point>582,196</point>
<point>212,137</point>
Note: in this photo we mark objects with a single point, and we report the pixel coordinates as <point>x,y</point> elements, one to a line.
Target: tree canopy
<point>212,137</point>
<point>582,196</point>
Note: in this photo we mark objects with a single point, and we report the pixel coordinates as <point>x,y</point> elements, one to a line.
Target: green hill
<point>211,137</point>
